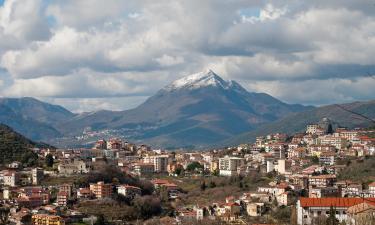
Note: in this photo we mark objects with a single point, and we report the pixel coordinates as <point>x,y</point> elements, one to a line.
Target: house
<point>323,192</point>
<point>326,180</point>
<point>84,193</point>
<point>45,219</point>
<point>285,198</point>
<point>255,209</point>
<point>363,213</point>
<point>75,166</point>
<point>129,191</point>
<point>309,209</point>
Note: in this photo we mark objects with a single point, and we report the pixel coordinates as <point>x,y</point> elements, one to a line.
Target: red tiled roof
<point>336,202</point>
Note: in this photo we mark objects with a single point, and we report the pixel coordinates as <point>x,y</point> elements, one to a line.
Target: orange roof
<point>159,181</point>
<point>336,202</point>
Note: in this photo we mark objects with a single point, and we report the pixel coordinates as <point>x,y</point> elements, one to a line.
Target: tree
<point>4,215</point>
<point>194,166</point>
<point>203,186</point>
<point>49,160</point>
<point>212,184</point>
<point>331,219</point>
<point>178,171</point>
<point>100,220</point>
<point>315,159</point>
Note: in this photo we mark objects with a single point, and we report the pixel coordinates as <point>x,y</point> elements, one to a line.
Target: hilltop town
<point>322,175</point>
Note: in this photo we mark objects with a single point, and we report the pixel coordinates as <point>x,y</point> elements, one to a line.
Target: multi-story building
<point>142,169</point>
<point>45,219</point>
<point>37,175</point>
<point>101,190</point>
<point>327,180</point>
<point>67,188</point>
<point>11,179</point>
<point>338,142</point>
<point>228,165</point>
<point>312,128</point>
<point>62,199</point>
<point>161,163</point>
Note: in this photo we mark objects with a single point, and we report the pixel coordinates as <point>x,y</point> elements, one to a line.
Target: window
<point>319,213</point>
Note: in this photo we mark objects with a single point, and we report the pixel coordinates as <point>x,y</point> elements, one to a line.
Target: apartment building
<point>101,190</point>
<point>228,165</point>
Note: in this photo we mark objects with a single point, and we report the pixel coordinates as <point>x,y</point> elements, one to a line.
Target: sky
<point>92,54</point>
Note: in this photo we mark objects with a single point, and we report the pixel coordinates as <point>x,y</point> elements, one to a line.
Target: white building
<point>310,209</point>
<point>11,179</point>
<point>228,165</point>
<point>311,128</point>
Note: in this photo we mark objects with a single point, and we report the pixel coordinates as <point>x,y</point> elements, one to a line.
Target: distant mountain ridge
<point>195,111</point>
<point>338,114</point>
<point>32,118</point>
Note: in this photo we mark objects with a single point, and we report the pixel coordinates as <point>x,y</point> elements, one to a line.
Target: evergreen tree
<point>331,219</point>
<point>203,186</point>
<point>49,160</point>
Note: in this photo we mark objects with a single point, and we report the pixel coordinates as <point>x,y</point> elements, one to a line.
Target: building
<point>161,163</point>
<point>255,209</point>
<point>327,158</point>
<point>45,219</point>
<point>101,190</point>
<point>11,179</point>
<point>310,209</point>
<point>101,144</point>
<point>228,165</point>
<point>69,167</point>
<point>62,199</point>
<point>129,191</point>
<point>142,169</point>
<point>363,213</point>
<point>311,128</point>
<point>67,188</point>
<point>327,180</point>
<point>37,175</point>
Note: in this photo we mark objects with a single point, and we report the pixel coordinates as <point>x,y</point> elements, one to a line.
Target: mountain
<point>344,115</point>
<point>15,147</point>
<point>32,118</point>
<point>196,110</point>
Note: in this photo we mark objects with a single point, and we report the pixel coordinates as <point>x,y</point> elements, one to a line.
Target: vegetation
<point>49,160</point>
<point>15,147</point>
<point>360,170</point>
<point>194,166</point>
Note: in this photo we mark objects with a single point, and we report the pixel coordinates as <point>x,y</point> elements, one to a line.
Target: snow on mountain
<point>199,80</point>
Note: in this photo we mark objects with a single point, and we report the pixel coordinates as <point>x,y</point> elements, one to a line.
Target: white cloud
<point>114,49</point>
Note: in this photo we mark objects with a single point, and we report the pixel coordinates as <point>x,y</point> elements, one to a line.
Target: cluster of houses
<point>305,164</point>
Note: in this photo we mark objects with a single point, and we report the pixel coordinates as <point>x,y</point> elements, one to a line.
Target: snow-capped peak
<point>199,80</point>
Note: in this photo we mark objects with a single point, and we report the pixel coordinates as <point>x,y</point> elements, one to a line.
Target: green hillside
<point>15,147</point>
<point>296,122</point>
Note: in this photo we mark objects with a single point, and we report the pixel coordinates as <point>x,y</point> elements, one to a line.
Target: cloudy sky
<point>94,54</point>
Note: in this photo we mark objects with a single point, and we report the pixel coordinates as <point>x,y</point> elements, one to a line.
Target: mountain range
<point>195,111</point>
